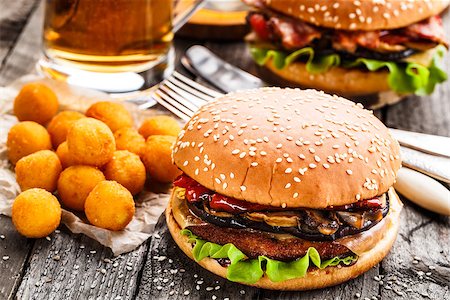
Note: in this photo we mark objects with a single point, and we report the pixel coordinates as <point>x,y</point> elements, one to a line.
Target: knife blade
<point>217,72</point>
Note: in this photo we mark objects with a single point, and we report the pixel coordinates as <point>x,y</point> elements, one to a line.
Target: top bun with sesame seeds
<point>359,14</point>
<point>288,148</point>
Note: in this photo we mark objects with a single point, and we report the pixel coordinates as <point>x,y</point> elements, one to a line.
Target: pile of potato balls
<point>93,163</point>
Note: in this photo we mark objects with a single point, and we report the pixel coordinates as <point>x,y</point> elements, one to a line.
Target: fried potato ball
<point>60,125</point>
<point>109,206</point>
<point>75,183</point>
<point>65,157</point>
<point>35,102</point>
<point>157,158</point>
<point>113,114</point>
<point>25,138</point>
<point>127,169</point>
<point>91,142</point>
<point>38,170</point>
<point>36,213</point>
<point>160,125</point>
<point>128,138</point>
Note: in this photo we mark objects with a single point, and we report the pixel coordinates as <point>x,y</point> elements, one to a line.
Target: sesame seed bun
<point>369,88</point>
<point>288,148</point>
<point>359,15</point>
<point>313,279</point>
<point>349,82</point>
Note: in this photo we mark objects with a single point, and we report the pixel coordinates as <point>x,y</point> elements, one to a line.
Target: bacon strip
<point>295,34</point>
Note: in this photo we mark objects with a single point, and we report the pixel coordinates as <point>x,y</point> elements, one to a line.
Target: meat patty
<point>255,243</point>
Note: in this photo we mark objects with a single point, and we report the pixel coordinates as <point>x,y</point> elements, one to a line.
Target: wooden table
<point>68,266</point>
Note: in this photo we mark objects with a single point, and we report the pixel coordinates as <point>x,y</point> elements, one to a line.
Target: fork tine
<point>177,102</point>
<point>196,85</point>
<point>188,96</point>
<point>161,100</point>
<point>179,84</point>
<point>179,98</point>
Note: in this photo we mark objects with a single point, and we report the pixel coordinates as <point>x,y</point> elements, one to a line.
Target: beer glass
<point>112,45</point>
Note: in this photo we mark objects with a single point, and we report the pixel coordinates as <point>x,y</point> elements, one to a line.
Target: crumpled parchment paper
<point>149,205</point>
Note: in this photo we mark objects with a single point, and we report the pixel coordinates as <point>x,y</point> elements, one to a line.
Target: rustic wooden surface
<point>68,266</point>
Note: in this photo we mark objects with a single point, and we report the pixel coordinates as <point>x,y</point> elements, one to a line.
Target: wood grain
<point>72,266</point>
<point>13,17</point>
<point>14,250</point>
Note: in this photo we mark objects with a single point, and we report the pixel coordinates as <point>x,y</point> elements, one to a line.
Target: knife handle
<point>423,191</point>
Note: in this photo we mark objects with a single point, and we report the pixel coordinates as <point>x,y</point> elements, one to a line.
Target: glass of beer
<point>112,45</point>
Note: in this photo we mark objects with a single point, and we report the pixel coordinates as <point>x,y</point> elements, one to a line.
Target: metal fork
<point>181,95</point>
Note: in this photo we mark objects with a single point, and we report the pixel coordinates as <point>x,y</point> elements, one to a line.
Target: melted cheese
<point>423,58</point>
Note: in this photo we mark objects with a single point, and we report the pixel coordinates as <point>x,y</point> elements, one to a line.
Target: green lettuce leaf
<point>280,59</point>
<point>250,271</point>
<point>404,77</point>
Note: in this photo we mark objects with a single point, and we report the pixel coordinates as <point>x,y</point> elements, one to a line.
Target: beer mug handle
<point>184,9</point>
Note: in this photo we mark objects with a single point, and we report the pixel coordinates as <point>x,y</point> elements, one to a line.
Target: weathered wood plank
<point>22,59</point>
<point>14,250</point>
<point>72,266</point>
<point>13,17</point>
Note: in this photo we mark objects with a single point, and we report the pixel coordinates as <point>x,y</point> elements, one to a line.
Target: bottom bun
<point>313,279</point>
<point>369,88</point>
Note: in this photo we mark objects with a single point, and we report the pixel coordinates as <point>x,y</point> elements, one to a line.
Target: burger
<point>382,48</point>
<point>285,189</point>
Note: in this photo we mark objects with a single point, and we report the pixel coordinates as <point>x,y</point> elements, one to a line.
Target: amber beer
<point>108,35</point>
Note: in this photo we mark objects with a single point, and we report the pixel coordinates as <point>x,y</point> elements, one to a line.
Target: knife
<point>224,76</point>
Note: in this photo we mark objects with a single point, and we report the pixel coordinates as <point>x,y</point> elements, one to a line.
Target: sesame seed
<point>316,158</point>
<point>312,166</point>
<point>358,197</point>
<point>263,153</point>
<point>254,164</point>
<point>232,175</point>
<point>288,171</point>
<point>295,195</point>
<point>279,146</point>
<point>349,172</point>
<point>326,166</point>
<point>242,155</point>
<point>278,160</point>
<point>302,156</point>
<point>288,185</point>
<point>217,180</point>
<point>185,163</point>
<point>302,170</point>
<point>312,150</point>
<point>296,179</point>
<point>283,205</point>
<point>243,188</point>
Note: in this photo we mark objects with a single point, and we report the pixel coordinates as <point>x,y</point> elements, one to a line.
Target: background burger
<point>385,48</point>
<point>285,189</point>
